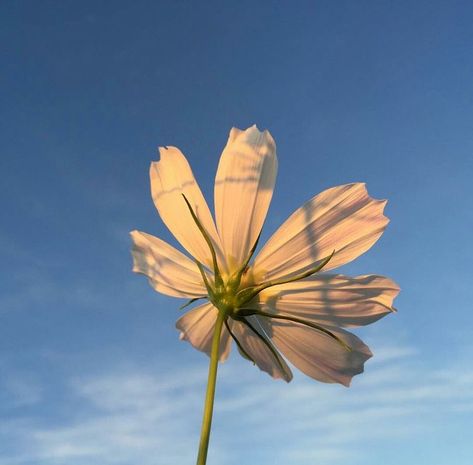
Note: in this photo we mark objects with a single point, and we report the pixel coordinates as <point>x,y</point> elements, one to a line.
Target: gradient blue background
<point>91,370</point>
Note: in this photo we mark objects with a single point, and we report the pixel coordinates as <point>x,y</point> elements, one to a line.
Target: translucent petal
<point>344,218</point>
<point>169,271</point>
<point>243,189</point>
<point>197,327</point>
<point>317,354</point>
<point>335,300</point>
<point>171,177</point>
<point>258,350</point>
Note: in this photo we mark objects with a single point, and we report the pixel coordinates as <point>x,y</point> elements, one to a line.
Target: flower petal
<point>317,354</point>
<point>344,218</point>
<point>169,271</point>
<point>171,177</point>
<point>243,189</point>
<point>259,351</point>
<point>336,300</point>
<point>197,327</point>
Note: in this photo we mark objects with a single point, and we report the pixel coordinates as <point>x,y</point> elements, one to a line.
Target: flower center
<point>234,293</point>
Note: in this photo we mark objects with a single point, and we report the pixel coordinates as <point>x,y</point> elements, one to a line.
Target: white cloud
<point>152,418</point>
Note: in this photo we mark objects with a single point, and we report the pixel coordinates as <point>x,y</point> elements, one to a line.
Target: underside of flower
<point>282,304</point>
<point>232,300</point>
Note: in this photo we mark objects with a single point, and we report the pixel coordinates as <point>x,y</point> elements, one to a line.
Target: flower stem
<point>210,394</point>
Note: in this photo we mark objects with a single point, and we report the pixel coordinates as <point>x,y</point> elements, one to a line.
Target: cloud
<point>152,417</point>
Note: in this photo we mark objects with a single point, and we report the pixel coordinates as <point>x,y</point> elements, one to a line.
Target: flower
<point>282,303</point>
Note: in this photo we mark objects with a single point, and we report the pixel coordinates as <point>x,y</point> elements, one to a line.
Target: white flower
<point>280,303</point>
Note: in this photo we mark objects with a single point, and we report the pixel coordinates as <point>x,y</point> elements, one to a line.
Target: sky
<point>91,368</point>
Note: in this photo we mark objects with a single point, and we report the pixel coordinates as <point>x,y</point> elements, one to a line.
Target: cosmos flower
<point>282,304</point>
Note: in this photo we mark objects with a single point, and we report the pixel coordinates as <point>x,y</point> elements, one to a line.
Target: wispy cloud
<point>127,417</point>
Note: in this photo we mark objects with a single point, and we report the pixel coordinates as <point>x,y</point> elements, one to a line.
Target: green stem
<point>210,394</point>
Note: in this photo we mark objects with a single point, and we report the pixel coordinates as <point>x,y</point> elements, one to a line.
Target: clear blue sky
<point>91,369</point>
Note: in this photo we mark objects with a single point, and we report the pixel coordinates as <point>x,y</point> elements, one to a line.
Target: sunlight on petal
<point>243,189</point>
<point>285,293</point>
<point>168,270</point>
<point>333,299</point>
<point>318,355</point>
<point>197,327</point>
<point>171,177</point>
<point>344,218</point>
<point>259,352</point>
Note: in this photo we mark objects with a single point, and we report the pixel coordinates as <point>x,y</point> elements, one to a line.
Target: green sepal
<point>242,351</point>
<point>204,278</point>
<point>244,354</point>
<point>241,313</point>
<point>244,266</point>
<point>315,326</point>
<point>266,343</point>
<point>217,275</point>
<point>245,295</point>
<point>191,301</point>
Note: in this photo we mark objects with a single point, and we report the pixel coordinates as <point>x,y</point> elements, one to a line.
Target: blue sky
<point>91,369</point>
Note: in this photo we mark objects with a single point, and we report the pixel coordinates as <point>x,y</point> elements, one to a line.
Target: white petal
<point>317,354</point>
<point>171,177</point>
<point>258,350</point>
<point>344,218</point>
<point>243,189</point>
<point>197,327</point>
<point>335,300</point>
<point>169,271</point>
